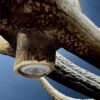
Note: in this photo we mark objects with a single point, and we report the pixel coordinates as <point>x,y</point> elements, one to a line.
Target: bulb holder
<point>34,69</point>
<point>35,57</point>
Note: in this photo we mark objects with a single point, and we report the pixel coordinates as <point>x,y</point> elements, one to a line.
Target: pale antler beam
<point>76,17</point>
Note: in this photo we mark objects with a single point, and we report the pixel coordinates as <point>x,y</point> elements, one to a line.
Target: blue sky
<point>16,87</point>
<point>92,9</point>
